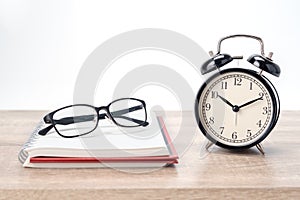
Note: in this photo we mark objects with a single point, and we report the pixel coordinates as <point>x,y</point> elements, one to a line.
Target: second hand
<point>235,118</point>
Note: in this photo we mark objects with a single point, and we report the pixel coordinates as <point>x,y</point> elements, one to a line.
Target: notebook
<point>108,146</point>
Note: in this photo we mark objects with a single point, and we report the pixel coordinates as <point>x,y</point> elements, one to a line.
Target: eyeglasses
<point>81,119</point>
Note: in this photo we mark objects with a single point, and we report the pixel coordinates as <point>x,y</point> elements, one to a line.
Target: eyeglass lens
<point>128,112</point>
<point>75,120</point>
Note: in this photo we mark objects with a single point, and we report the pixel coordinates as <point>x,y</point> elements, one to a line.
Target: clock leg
<point>260,148</point>
<point>205,149</point>
<point>208,144</point>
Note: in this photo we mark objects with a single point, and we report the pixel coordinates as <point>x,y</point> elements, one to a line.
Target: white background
<point>44,43</point>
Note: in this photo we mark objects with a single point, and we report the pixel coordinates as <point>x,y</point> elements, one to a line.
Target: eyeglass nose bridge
<point>105,115</point>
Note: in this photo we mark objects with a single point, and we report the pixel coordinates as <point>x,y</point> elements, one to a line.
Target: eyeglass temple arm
<point>119,113</point>
<point>44,131</point>
<point>140,122</point>
<point>124,111</point>
<point>84,118</point>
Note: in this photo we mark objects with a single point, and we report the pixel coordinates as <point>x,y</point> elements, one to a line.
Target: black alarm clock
<point>237,108</point>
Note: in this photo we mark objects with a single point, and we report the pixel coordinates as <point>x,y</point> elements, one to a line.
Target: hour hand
<point>226,101</point>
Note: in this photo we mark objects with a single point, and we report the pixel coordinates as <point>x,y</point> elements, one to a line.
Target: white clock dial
<point>235,108</point>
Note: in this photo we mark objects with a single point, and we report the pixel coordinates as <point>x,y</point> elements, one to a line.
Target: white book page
<point>106,140</point>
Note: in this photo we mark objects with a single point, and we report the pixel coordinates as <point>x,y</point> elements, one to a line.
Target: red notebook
<point>153,152</point>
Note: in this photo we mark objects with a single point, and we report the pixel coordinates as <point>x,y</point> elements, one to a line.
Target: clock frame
<point>273,97</point>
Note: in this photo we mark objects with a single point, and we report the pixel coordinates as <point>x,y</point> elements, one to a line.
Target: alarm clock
<point>237,108</point>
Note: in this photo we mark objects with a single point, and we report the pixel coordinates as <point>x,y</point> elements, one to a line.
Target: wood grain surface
<point>200,174</point>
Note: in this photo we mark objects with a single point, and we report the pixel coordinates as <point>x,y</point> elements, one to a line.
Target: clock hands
<point>236,108</point>
<point>250,102</point>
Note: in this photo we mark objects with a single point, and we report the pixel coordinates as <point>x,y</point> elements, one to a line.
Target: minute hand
<point>250,102</point>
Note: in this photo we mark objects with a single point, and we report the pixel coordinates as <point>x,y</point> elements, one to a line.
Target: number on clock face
<point>235,109</point>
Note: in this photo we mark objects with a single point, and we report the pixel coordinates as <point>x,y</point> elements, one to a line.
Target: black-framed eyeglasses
<point>81,119</point>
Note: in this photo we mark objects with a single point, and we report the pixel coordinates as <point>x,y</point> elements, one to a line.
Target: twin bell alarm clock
<point>237,108</point>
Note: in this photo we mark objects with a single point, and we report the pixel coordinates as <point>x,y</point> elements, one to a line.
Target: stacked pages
<point>107,146</point>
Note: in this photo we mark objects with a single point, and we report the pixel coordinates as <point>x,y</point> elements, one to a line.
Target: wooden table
<point>219,174</point>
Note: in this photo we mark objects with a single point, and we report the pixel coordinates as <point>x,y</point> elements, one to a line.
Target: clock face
<point>236,108</point>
